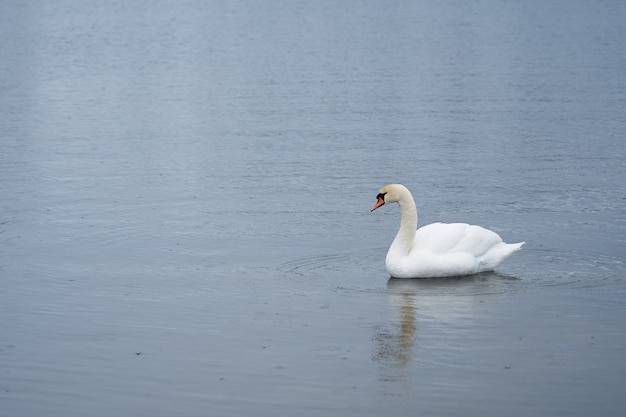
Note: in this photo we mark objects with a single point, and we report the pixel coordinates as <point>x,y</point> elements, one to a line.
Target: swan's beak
<point>379,203</point>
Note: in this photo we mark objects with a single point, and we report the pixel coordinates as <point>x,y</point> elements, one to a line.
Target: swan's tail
<point>509,249</point>
<point>498,254</point>
<point>514,247</point>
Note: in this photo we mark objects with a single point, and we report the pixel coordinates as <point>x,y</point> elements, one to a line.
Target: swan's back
<point>441,238</point>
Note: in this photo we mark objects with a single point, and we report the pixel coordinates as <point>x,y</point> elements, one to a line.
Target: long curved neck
<point>403,241</point>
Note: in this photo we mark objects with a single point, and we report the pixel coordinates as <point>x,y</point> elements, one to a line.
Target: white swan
<point>438,249</point>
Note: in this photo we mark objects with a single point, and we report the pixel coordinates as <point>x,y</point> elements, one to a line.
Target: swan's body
<point>439,249</point>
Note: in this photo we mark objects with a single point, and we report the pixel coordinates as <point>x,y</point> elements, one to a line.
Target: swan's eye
<point>381,196</point>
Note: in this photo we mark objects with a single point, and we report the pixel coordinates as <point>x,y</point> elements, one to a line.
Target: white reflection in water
<point>436,300</point>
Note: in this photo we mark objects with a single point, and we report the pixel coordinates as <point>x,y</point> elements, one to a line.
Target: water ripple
<point>535,268</point>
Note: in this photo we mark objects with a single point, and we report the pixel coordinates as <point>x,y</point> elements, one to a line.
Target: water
<point>185,193</point>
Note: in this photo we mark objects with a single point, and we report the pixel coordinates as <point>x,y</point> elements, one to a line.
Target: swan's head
<point>391,193</point>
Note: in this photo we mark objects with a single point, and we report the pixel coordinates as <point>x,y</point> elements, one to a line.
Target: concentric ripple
<point>534,268</point>
<point>555,268</point>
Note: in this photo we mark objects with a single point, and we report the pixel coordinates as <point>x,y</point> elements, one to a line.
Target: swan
<point>438,249</point>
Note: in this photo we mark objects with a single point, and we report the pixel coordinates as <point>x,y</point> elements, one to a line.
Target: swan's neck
<point>403,242</point>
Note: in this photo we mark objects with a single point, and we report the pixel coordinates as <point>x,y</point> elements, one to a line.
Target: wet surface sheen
<point>185,193</point>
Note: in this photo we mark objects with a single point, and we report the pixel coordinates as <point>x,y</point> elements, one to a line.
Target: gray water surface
<point>184,207</point>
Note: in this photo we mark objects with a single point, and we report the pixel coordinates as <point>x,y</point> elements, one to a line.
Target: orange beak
<point>379,203</point>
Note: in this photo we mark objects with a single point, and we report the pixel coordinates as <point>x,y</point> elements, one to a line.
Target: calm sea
<point>184,207</point>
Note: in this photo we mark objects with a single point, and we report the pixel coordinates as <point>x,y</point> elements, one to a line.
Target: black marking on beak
<point>380,201</point>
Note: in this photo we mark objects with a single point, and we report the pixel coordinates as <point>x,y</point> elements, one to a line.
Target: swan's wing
<point>442,238</point>
<point>478,241</point>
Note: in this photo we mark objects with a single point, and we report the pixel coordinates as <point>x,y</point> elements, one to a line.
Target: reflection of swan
<point>489,282</point>
<point>396,349</point>
<point>439,249</point>
<point>447,299</point>
<point>430,302</point>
